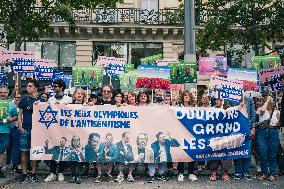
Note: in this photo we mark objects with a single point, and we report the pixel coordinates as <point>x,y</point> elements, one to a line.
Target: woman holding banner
<point>187,100</point>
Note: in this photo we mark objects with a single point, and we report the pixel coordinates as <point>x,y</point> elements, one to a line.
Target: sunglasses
<point>105,91</point>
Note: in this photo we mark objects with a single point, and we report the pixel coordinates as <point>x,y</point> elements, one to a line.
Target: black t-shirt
<point>102,102</point>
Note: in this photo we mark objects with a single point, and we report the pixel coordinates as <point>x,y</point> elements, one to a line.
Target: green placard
<point>129,68</point>
<point>3,109</point>
<point>90,76</point>
<point>128,81</point>
<point>183,73</point>
<point>265,62</point>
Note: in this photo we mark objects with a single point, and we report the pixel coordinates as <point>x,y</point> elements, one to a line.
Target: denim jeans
<point>267,146</point>
<point>242,165</point>
<point>16,146</point>
<point>152,168</point>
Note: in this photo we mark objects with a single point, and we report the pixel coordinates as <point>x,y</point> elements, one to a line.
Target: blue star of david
<point>48,117</point>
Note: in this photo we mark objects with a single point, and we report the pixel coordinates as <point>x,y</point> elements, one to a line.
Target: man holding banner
<point>8,114</point>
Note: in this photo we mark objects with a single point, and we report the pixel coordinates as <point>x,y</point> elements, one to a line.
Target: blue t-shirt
<point>26,104</point>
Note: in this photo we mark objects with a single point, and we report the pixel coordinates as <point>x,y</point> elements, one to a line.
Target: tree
<point>24,20</point>
<point>250,23</point>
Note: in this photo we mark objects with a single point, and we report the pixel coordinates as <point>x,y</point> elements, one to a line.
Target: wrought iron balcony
<point>125,15</point>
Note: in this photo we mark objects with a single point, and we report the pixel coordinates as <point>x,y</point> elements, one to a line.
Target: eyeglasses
<point>105,91</point>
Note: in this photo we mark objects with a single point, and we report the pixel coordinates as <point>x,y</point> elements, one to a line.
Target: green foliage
<point>250,23</point>
<point>23,20</point>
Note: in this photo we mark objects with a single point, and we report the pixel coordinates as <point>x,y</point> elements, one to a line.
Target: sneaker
<point>98,179</point>
<point>79,180</point>
<point>73,179</point>
<point>50,178</point>
<point>130,178</point>
<point>120,178</point>
<point>34,178</point>
<point>247,177</point>
<point>237,177</point>
<point>60,177</point>
<point>180,177</point>
<point>213,176</point>
<point>24,178</point>
<point>161,178</point>
<point>15,170</point>
<point>192,177</point>
<point>258,169</point>
<point>2,174</point>
<point>225,177</point>
<point>110,178</point>
<point>150,179</point>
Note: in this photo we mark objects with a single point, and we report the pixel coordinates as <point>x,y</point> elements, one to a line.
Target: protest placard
<point>213,66</point>
<point>248,76</point>
<point>165,62</point>
<point>151,60</point>
<point>44,69</point>
<point>112,66</point>
<point>3,110</point>
<point>226,89</point>
<point>270,79</point>
<point>265,62</point>
<point>148,71</point>
<point>128,81</point>
<point>6,56</point>
<point>3,76</point>
<point>191,134</point>
<point>23,65</point>
<point>183,73</point>
<point>90,76</point>
<point>129,68</point>
<point>153,83</point>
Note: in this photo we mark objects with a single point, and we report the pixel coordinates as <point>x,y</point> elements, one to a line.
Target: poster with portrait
<point>184,72</point>
<point>213,66</point>
<point>128,81</point>
<point>87,76</point>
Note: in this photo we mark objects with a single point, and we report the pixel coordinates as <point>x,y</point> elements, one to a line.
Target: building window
<point>132,52</point>
<point>63,53</point>
<point>150,4</point>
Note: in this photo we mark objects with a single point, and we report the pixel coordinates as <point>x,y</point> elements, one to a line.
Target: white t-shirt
<point>64,100</point>
<point>274,120</point>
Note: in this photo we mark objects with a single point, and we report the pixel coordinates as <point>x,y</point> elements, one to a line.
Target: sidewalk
<point>9,177</point>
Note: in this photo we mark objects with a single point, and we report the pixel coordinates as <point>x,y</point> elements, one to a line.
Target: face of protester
<point>94,100</point>
<point>63,142</point>
<point>76,142</point>
<point>205,99</point>
<point>126,138</point>
<point>186,98</point>
<point>56,88</point>
<point>219,103</point>
<point>161,138</point>
<point>282,82</point>
<point>79,96</point>
<point>131,99</point>
<point>44,97</point>
<point>143,98</point>
<point>167,100</point>
<point>142,141</point>
<point>3,93</point>
<point>17,99</point>
<point>109,140</point>
<point>106,92</point>
<point>31,88</point>
<point>95,142</point>
<point>118,98</point>
<point>259,102</point>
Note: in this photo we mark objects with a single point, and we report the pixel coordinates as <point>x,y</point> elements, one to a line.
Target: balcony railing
<point>125,15</point>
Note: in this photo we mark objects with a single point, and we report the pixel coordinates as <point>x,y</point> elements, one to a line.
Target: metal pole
<point>189,31</point>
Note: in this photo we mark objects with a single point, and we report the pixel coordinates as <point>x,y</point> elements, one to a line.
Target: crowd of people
<point>265,113</point>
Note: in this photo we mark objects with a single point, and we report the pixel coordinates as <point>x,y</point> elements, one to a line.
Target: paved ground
<point>140,184</point>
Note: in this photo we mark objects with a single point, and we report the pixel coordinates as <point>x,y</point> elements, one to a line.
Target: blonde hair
<point>75,92</point>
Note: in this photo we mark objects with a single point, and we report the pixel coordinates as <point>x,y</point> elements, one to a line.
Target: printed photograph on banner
<point>226,89</point>
<point>84,76</point>
<point>183,135</point>
<point>153,83</point>
<point>128,81</point>
<point>270,79</point>
<point>248,76</point>
<point>146,71</point>
<point>265,62</point>
<point>213,66</point>
<point>183,73</point>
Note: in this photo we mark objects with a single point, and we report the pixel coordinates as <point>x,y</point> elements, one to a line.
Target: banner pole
<point>152,95</point>
<point>87,97</point>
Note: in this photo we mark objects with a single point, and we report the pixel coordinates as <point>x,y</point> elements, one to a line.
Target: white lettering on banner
<point>227,142</point>
<point>196,144</point>
<point>200,129</point>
